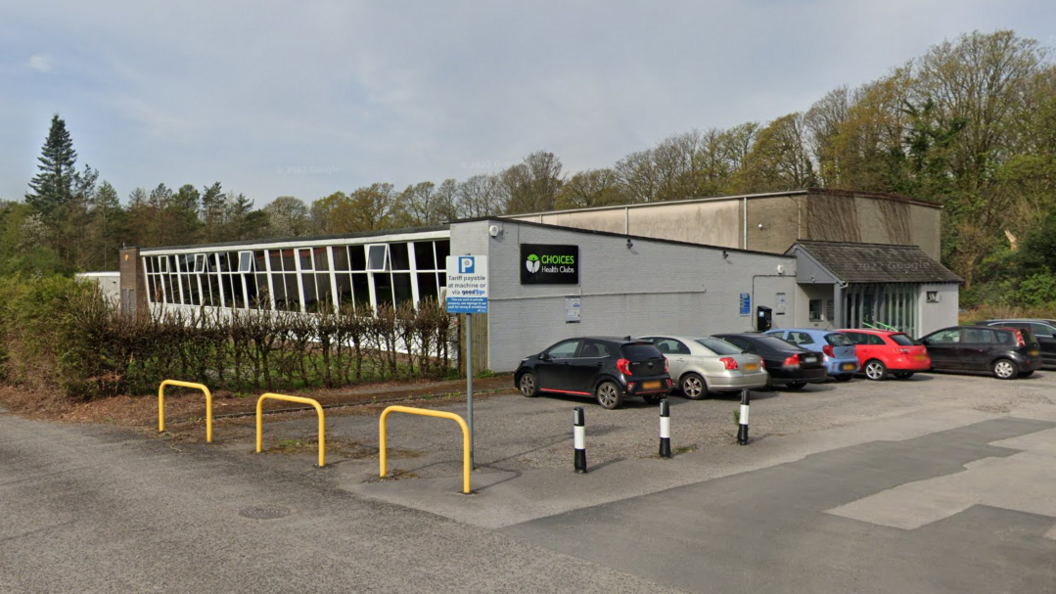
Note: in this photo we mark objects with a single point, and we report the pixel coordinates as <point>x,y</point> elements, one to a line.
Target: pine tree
<point>53,187</point>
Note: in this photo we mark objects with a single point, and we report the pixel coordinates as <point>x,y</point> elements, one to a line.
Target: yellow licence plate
<point>849,366</point>
<point>751,366</point>
<point>1034,353</point>
<point>650,385</point>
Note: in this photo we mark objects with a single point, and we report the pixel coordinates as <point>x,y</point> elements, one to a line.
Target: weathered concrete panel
<point>707,223</point>
<point>925,229</point>
<point>832,218</point>
<point>774,224</point>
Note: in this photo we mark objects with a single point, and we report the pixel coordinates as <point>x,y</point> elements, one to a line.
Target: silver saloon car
<point>699,365</point>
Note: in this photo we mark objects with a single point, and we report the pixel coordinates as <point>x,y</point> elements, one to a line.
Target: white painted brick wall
<point>652,287</point>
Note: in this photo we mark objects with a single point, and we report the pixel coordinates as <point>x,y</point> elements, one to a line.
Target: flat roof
<point>799,192</point>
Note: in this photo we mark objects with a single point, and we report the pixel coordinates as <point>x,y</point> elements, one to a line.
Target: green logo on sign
<point>532,264</point>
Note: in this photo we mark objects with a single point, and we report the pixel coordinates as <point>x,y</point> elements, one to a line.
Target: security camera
<point>760,225</point>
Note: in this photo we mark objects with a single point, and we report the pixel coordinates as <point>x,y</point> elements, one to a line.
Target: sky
<point>283,98</point>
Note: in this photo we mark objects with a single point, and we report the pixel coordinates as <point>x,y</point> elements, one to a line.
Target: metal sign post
<point>467,292</point>
<point>469,385</point>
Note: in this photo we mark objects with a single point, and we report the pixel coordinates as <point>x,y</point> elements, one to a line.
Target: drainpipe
<point>626,221</point>
<point>744,221</point>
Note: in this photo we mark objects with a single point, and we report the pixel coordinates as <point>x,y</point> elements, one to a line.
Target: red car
<point>881,352</point>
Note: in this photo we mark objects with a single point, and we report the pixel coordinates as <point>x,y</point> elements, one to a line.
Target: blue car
<point>841,360</point>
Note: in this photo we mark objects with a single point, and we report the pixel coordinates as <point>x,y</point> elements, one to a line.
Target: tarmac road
<point>942,484</point>
<point>88,510</point>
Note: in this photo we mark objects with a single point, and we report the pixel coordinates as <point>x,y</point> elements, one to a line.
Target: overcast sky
<point>306,98</point>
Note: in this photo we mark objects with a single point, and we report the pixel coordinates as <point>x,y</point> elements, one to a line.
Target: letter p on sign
<point>465,265</point>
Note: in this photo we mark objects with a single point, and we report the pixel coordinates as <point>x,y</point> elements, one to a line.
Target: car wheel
<point>794,386</point>
<point>843,377</point>
<point>529,384</point>
<point>693,386</point>
<point>1026,373</point>
<point>904,374</point>
<point>875,370</point>
<point>609,395</point>
<point>1005,369</point>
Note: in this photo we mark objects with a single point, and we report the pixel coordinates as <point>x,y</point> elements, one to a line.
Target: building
<point>591,281</point>
<point>768,222</point>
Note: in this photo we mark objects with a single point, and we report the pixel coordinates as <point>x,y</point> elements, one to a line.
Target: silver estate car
<point>699,365</point>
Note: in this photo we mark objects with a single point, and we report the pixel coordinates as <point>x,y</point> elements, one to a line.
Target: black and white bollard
<point>665,429</point>
<point>579,439</point>
<point>742,430</point>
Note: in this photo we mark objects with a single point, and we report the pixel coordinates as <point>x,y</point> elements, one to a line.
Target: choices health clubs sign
<point>549,264</point>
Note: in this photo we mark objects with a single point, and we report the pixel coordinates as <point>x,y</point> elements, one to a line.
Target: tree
<point>371,208</point>
<point>778,159</point>
<point>823,122</point>
<point>418,205</point>
<point>106,229</point>
<point>53,186</point>
<point>593,187</point>
<point>480,196</point>
<point>533,185</point>
<point>288,217</point>
<point>638,176</point>
<point>212,214</point>
<point>324,210</point>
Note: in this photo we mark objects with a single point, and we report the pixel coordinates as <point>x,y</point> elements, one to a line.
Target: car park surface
<point>839,357</point>
<point>699,365</point>
<point>1005,352</point>
<point>786,363</point>
<point>607,368</point>
<point>1043,330</point>
<point>881,352</point>
<point>939,484</point>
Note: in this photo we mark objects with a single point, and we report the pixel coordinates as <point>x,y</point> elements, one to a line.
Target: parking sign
<point>467,284</point>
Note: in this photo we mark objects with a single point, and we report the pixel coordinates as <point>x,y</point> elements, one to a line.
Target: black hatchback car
<point>606,368</point>
<point>1043,330</point>
<point>788,364</point>
<point>1006,352</point>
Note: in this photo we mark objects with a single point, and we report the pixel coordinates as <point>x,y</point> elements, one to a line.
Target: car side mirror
<point>544,357</point>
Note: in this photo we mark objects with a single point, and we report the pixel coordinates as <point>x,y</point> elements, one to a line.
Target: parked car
<point>838,354</point>
<point>699,365</point>
<point>1005,352</point>
<point>1043,330</point>
<point>609,369</point>
<point>786,363</point>
<point>882,353</point>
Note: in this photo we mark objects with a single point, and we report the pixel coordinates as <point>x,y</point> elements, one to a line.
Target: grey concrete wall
<point>925,226</point>
<point>813,291</point>
<point>781,220</point>
<point>651,287</point>
<point>785,218</point>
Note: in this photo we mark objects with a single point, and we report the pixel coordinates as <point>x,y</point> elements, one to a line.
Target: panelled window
<point>303,279</point>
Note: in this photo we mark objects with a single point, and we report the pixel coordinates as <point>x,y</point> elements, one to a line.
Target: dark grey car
<point>1043,330</point>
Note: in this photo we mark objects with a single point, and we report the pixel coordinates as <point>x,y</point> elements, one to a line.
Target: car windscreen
<point>719,346</point>
<point>775,344</point>
<point>838,339</point>
<point>902,340</point>
<point>640,351</point>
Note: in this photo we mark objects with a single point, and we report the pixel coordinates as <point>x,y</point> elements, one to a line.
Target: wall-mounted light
<point>630,243</point>
<point>725,254</point>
